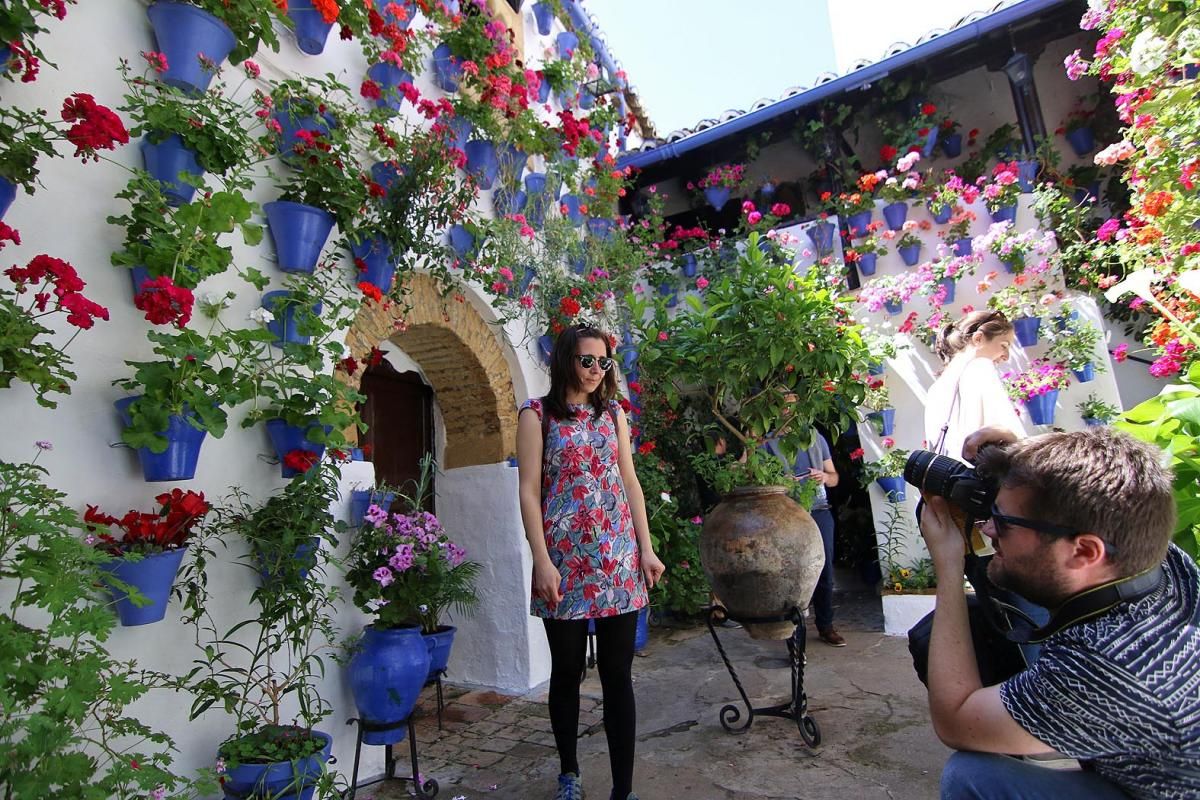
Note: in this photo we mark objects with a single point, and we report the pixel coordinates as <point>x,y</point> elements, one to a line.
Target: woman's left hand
<point>652,568</point>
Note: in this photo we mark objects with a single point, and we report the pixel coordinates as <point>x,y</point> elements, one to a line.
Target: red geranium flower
<point>164,302</point>
<point>371,291</point>
<point>887,153</point>
<point>300,460</point>
<point>96,127</point>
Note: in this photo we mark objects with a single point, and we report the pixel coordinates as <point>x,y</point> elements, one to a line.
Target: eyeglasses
<point>1001,520</point>
<point>587,361</point>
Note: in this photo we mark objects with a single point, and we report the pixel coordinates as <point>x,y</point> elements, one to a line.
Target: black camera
<point>965,487</point>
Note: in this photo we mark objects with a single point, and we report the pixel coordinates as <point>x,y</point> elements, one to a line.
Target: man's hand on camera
<point>943,537</point>
<point>986,436</point>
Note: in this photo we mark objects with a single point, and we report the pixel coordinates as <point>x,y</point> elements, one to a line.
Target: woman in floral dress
<point>585,519</point>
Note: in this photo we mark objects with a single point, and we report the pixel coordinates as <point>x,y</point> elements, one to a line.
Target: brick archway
<point>462,359</point>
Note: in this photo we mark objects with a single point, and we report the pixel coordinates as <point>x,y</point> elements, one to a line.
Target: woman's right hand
<point>547,582</point>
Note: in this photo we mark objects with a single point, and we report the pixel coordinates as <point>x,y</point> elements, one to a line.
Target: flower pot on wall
<point>165,161</point>
<point>964,246</point>
<point>866,263</point>
<point>910,254</point>
<point>857,223</point>
<point>439,643</point>
<point>1004,214</point>
<point>361,501</point>
<point>183,33</point>
<point>895,214</point>
<point>1026,174</point>
<point>1027,330</point>
<point>1092,422</point>
<point>762,554</point>
<point>601,227</point>
<point>893,488</point>
<point>376,256</point>
<point>893,307</point>
<point>284,324</point>
<point>482,164</point>
<point>689,265</point>
<point>290,125</point>
<point>884,421</point>
<point>311,29</point>
<point>403,22</point>
<point>543,14</point>
<point>567,43</point>
<point>506,202</point>
<point>569,206</point>
<point>299,232</point>
<point>948,284</point>
<point>951,144</point>
<point>1086,374</point>
<point>543,94</point>
<point>940,217</point>
<point>1041,407</point>
<point>386,674</point>
<point>389,77</point>
<point>447,69</point>
<point>280,779</point>
<point>821,235</point>
<point>8,193</point>
<point>388,173</point>
<point>545,345</point>
<point>461,240</point>
<point>178,461</point>
<point>1082,141</point>
<point>153,577</point>
<point>717,196</point>
<point>287,438</point>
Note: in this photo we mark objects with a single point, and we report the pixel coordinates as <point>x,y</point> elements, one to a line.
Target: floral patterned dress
<point>585,517</point>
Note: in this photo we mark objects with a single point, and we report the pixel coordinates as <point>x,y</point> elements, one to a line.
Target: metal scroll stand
<point>795,709</point>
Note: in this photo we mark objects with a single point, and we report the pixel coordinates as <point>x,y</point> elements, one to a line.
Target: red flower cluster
<point>8,234</point>
<point>164,302</point>
<point>370,291</point>
<point>301,460</point>
<point>67,288</point>
<point>569,306</point>
<point>166,529</point>
<point>96,127</point>
<point>348,365</point>
<point>574,131</point>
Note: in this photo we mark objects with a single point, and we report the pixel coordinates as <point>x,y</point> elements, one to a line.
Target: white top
<point>982,402</point>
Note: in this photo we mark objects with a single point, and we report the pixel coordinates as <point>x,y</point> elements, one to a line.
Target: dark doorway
<point>399,417</point>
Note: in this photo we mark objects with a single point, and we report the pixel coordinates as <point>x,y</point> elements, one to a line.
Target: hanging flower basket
<point>447,70</point>
<point>288,439</point>
<point>284,324</point>
<point>8,193</point>
<point>951,144</point>
<point>299,232</point>
<point>165,161</point>
<point>482,164</point>
<point>717,196</point>
<point>390,78</point>
<point>543,14</point>
<point>184,33</point>
<point>866,263</point>
<point>884,421</point>
<point>290,125</point>
<point>178,461</point>
<point>153,576</point>
<point>376,255</point>
<point>1027,330</point>
<point>310,26</point>
<point>893,488</point>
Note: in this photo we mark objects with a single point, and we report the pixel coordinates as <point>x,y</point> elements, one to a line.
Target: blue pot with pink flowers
<point>569,206</point>
<point>543,15</point>
<point>1041,407</point>
<point>447,69</point>
<point>893,307</point>
<point>857,223</point>
<point>482,164</point>
<point>390,78</point>
<point>184,33</point>
<point>947,284</point>
<point>386,674</point>
<point>867,263</point>
<point>717,196</point>
<point>964,246</point>
<point>910,254</point>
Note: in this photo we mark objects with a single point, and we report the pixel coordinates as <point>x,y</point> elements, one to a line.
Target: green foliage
<point>252,23</point>
<point>1095,408</point>
<point>21,21</point>
<point>676,541</point>
<point>1075,346</point>
<point>25,136</point>
<point>897,575</point>
<point>26,355</point>
<point>891,465</point>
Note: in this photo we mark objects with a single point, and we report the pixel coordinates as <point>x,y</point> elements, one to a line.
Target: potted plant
<point>942,196</point>
<point>1077,127</point>
<point>944,274</point>
<point>908,576</point>
<point>1014,249</point>
<point>908,240</point>
<point>1001,193</point>
<point>888,472</point>
<point>1095,411</point>
<point>1025,302</point>
<point>891,292</point>
<point>949,138</point>
<point>1075,347</point>
<point>20,23</point>
<point>1038,387</point>
<point>866,252</point>
<point>406,571</point>
<point>958,232</point>
<point>729,352</point>
<point>853,209</point>
<point>721,182</point>
<point>879,404</point>
<point>267,681</point>
<point>896,190</point>
<point>147,556</point>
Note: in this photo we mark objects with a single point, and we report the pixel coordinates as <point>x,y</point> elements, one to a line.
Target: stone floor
<point>876,738</point>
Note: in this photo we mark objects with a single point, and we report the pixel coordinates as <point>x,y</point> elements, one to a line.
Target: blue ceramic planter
<point>178,461</point>
<point>376,254</point>
<point>1062,320</point>
<point>821,235</point>
<point>361,501</point>
<point>388,173</point>
<point>447,69</point>
<point>866,263</point>
<point>567,43</point>
<point>393,19</point>
<point>460,240</point>
<point>184,31</point>
<point>1027,330</point>
<point>964,247</point>
<point>153,577</point>
<point>601,227</point>
<point>951,145</point>
<point>535,183</point>
<point>717,196</point>
<point>877,369</point>
<point>311,29</point>
<point>1088,373</point>
<point>893,487</point>
<point>949,284</point>
<point>569,205</point>
<point>893,307</point>
<point>910,254</point>
<point>482,164</point>
<point>1010,266</point>
<point>884,421</point>
<point>527,276</point>
<point>688,265</point>
<point>386,675</point>
<point>166,161</point>
<point>1089,193</point>
<point>8,193</point>
<point>506,202</point>
<point>895,214</point>
<point>512,164</point>
<point>284,325</point>
<point>543,91</point>
<point>545,347</point>
<point>439,644</point>
<point>931,140</point>
<point>389,77</point>
<point>1026,174</point>
<point>857,223</point>
<point>1092,422</point>
<point>1082,141</point>
<point>578,264</point>
<point>290,124</point>
<point>285,438</point>
<point>1004,214</point>
<point>281,779</point>
<point>543,14</point>
<point>461,129</point>
<point>1041,408</point>
<point>940,217</point>
<point>299,232</point>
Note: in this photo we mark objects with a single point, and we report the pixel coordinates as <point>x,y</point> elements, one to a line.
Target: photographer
<point>1078,516</point>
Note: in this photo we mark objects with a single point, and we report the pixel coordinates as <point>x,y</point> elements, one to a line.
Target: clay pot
<point>762,554</point>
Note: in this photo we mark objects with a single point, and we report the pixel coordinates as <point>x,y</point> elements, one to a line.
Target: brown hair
<point>955,336</point>
<point>1096,481</point>
<point>562,372</point>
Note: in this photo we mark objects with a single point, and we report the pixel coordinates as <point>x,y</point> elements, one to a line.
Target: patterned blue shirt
<point>1121,692</point>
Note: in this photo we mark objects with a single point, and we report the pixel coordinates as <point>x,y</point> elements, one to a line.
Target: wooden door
<point>399,415</point>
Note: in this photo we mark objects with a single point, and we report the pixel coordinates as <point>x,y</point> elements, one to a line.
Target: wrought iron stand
<point>797,708</point>
<point>422,790</point>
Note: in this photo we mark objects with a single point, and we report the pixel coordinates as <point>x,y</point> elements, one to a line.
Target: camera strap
<point>1092,603</point>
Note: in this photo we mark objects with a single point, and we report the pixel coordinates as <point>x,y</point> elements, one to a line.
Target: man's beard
<point>1031,577</point>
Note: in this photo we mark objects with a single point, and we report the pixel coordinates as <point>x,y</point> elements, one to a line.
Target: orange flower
<point>328,8</point>
<point>1156,203</point>
<point>1148,234</point>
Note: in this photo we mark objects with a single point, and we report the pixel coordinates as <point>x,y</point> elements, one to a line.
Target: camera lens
<point>933,473</point>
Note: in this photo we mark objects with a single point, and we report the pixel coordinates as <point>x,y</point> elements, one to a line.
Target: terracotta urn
<point>762,554</point>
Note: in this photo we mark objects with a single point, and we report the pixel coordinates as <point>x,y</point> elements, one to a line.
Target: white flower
<point>211,298</point>
<point>261,315</point>
<point>666,497</point>
<point>1148,52</point>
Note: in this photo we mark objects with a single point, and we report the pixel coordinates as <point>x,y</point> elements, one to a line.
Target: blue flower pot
<point>629,358</point>
<point>439,644</point>
<point>165,161</point>
<point>688,265</point>
<point>857,223</point>
<point>512,164</point>
<point>578,264</point>
<point>586,99</point>
<point>1060,322</point>
<point>388,173</point>
<point>895,214</point>
<point>285,438</point>
<point>461,129</point>
<point>1082,141</point>
<point>527,276</point>
<point>8,193</point>
<point>884,420</point>
<point>1004,214</point>
<point>1041,408</point>
<point>949,284</point>
<point>1027,330</point>
<point>867,262</point>
<point>931,140</point>
<point>386,674</point>
<point>546,347</point>
<point>1026,174</point>
<point>389,77</point>
<point>178,461</point>
<point>506,202</point>
<point>940,217</point>
<point>153,577</point>
<point>361,501</point>
<point>569,203</point>
<point>1086,374</point>
<point>951,144</point>
<point>393,19</point>
<point>601,227</point>
<point>311,29</point>
<point>567,43</point>
<point>447,69</point>
<point>5,55</point>
<point>376,253</point>
<point>275,564</point>
<point>666,290</point>
<point>543,14</point>
<point>893,487</point>
<point>1091,193</point>
<point>290,125</point>
<point>910,255</point>
<point>641,634</point>
<point>282,779</point>
<point>461,240</point>
<point>877,369</point>
<point>717,196</point>
<point>893,307</point>
<point>299,232</point>
<point>964,247</point>
<point>184,31</point>
<point>821,235</point>
<point>1011,266</point>
<point>482,164</point>
<point>284,324</point>
<point>543,95</point>
<point>535,183</point>
<point>1092,422</point>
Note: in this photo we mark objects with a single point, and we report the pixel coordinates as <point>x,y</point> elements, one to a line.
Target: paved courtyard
<point>876,737</point>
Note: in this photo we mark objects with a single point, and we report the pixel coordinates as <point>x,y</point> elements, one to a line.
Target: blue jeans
<point>986,776</point>
<point>822,598</point>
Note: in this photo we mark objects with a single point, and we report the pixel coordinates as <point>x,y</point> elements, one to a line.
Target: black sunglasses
<point>586,361</point>
<point>1032,524</point>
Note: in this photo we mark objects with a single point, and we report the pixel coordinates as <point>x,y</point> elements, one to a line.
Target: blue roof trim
<point>860,77</point>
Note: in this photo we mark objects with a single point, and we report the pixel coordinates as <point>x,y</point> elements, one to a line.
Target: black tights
<point>614,660</point>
